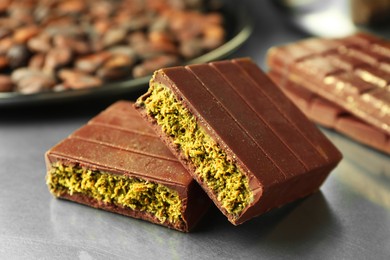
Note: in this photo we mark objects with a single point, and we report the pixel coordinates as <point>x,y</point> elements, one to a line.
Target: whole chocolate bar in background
<point>117,163</point>
<point>241,138</point>
<point>352,72</point>
<point>339,83</point>
<point>332,116</point>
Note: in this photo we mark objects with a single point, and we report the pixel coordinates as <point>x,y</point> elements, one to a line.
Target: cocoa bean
<point>22,35</point>
<point>71,6</point>
<point>18,56</point>
<point>149,66</point>
<point>92,62</point>
<point>4,32</point>
<point>5,45</point>
<point>117,67</point>
<point>3,62</point>
<point>37,61</point>
<point>77,46</point>
<point>213,36</point>
<point>57,58</point>
<point>191,49</point>
<point>73,79</point>
<point>41,43</point>
<point>114,36</point>
<point>6,84</point>
<point>22,73</point>
<point>35,84</point>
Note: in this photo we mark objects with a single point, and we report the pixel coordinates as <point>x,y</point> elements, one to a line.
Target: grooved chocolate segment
<point>333,116</point>
<point>373,75</point>
<point>214,116</point>
<point>359,39</point>
<point>353,87</point>
<point>259,130</point>
<point>383,48</point>
<point>294,117</point>
<point>279,150</point>
<point>345,62</point>
<point>363,55</point>
<point>264,107</point>
<point>290,54</point>
<point>385,65</point>
<point>347,84</point>
<point>109,158</point>
<point>317,66</point>
<point>317,45</point>
<point>124,139</point>
<point>116,120</point>
<point>120,143</point>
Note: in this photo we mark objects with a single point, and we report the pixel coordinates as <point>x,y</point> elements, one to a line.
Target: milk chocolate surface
<point>118,142</point>
<point>330,115</point>
<point>281,153</point>
<point>351,72</point>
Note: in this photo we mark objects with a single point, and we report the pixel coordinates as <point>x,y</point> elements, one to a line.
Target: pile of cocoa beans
<point>54,45</point>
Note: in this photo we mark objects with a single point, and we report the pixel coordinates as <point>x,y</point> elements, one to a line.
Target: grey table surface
<point>349,218</point>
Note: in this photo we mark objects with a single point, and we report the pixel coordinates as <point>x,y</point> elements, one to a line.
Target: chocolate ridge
<point>88,134</point>
<point>122,129</point>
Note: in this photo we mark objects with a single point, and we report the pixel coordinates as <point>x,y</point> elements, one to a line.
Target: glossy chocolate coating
<point>118,141</point>
<point>283,154</point>
<point>353,72</point>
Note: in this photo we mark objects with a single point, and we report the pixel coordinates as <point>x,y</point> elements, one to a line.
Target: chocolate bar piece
<point>245,143</point>
<point>352,72</point>
<point>333,116</point>
<point>117,163</point>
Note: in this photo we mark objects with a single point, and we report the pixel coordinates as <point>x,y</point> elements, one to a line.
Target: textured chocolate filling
<point>222,176</point>
<point>127,192</point>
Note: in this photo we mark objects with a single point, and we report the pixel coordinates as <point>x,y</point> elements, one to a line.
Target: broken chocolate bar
<point>333,116</point>
<point>351,72</point>
<point>240,137</point>
<point>117,163</point>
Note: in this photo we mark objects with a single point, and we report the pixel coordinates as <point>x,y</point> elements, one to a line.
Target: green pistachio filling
<point>214,168</point>
<point>133,193</point>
